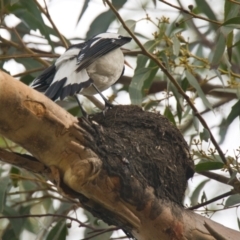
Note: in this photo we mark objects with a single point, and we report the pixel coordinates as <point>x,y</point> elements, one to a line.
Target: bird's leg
<point>85,115</point>
<point>107,103</point>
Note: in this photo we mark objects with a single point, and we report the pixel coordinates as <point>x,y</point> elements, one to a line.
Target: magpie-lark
<point>86,68</point>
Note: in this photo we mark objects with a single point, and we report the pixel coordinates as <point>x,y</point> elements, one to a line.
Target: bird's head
<point>115,37</point>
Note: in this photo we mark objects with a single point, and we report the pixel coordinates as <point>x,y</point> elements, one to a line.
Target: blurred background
<point>197,41</point>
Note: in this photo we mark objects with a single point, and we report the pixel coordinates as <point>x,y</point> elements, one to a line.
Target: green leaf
<point>141,61</point>
<point>16,223</point>
<point>234,174</point>
<point>30,15</point>
<point>223,129</point>
<point>102,22</point>
<point>179,110</point>
<point>219,75</point>
<point>230,10</point>
<point>179,101</point>
<point>135,87</point>
<point>218,50</point>
<point>232,200</point>
<point>9,234</point>
<point>232,22</point>
<point>58,232</point>
<point>150,45</point>
<point>131,24</point>
<point>168,114</point>
<point>98,224</point>
<point>204,7</point>
<point>204,135</point>
<point>16,171</point>
<point>185,84</point>
<point>225,90</point>
<point>203,197</point>
<point>176,45</point>
<point>84,8</point>
<point>193,82</point>
<point>153,68</point>
<point>28,225</point>
<point>196,192</point>
<point>196,123</point>
<point>235,112</point>
<point>3,189</point>
<point>207,166</point>
<point>238,221</point>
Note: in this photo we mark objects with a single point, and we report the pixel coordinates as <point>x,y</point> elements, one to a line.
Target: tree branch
<point>65,146</point>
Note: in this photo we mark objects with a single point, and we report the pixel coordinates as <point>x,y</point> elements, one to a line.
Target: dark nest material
<point>134,144</point>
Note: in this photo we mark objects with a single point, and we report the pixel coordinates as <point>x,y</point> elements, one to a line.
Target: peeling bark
<point>136,185</point>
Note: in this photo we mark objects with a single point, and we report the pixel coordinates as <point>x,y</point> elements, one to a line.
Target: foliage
<point>187,69</point>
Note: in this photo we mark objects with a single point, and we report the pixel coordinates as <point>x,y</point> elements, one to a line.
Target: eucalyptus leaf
<point>58,232</point>
<point>15,223</point>
<point>193,82</point>
<point>196,192</point>
<point>205,135</point>
<point>168,114</point>
<point>218,50</point>
<point>235,112</point>
<point>205,8</point>
<point>196,123</point>
<point>232,22</point>
<point>84,8</point>
<point>224,90</point>
<point>3,190</point>
<point>102,22</point>
<point>176,45</point>
<point>232,200</point>
<point>203,197</point>
<point>207,166</point>
<point>135,87</point>
<point>230,10</point>
<point>131,24</point>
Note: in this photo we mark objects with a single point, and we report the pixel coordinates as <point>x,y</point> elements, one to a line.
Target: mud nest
<point>146,146</point>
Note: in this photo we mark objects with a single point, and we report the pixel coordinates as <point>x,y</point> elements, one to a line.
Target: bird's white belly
<point>105,71</point>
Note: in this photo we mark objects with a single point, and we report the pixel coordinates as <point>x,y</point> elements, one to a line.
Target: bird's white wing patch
<point>67,56</point>
<point>67,81</point>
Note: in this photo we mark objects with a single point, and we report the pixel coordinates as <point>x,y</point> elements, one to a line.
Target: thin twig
<point>29,55</point>
<point>215,176</point>
<point>28,50</point>
<point>212,200</point>
<point>28,72</point>
<point>234,2</point>
<point>175,83</point>
<point>81,224</point>
<point>32,191</point>
<point>191,13</point>
<point>101,231</point>
<point>46,13</point>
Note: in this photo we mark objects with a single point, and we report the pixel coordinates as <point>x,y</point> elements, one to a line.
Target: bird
<point>85,68</point>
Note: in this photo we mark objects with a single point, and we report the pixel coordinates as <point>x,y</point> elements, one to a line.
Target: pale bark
<point>54,137</point>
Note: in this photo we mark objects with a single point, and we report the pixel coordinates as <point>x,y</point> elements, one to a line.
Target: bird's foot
<point>108,106</point>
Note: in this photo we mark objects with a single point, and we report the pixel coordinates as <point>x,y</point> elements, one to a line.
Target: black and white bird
<point>86,68</point>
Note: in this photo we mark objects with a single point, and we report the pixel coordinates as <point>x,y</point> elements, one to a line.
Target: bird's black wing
<point>96,48</point>
<point>43,81</point>
<point>53,79</point>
